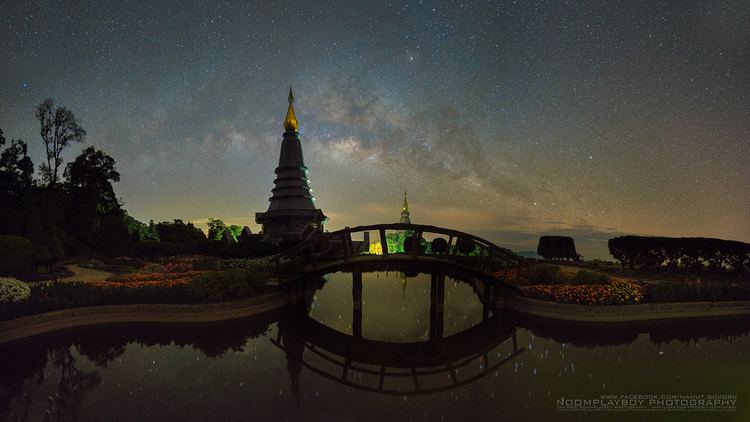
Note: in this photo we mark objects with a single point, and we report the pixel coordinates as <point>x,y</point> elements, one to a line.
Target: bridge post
<point>437,303</point>
<point>357,302</point>
<point>383,242</point>
<point>486,305</point>
<point>345,245</point>
<point>350,244</point>
<point>499,298</point>
<point>297,296</point>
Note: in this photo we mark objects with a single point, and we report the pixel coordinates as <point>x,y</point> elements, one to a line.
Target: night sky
<point>505,119</point>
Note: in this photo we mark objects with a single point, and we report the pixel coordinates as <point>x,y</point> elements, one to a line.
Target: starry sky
<point>505,119</point>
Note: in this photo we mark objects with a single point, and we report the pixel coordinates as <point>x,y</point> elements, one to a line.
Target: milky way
<point>507,119</point>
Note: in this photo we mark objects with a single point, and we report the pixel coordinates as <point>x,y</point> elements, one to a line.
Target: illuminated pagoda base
<point>292,206</point>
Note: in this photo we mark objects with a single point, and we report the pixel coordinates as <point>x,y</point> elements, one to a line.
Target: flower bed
<point>148,279</point>
<point>618,292</point>
<point>189,287</point>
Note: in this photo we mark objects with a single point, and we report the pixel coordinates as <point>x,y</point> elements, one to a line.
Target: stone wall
<point>76,317</point>
<point>623,313</point>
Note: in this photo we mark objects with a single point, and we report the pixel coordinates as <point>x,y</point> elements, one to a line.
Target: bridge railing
<point>409,240</point>
<point>348,371</point>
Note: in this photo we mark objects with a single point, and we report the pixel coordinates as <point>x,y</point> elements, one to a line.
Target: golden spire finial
<point>405,207</point>
<point>290,122</point>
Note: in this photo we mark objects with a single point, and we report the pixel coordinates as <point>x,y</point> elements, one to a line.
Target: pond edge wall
<point>624,313</point>
<point>19,328</point>
<point>32,325</point>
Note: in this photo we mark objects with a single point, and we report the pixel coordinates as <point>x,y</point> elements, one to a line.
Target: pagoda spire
<point>290,122</point>
<point>292,208</point>
<point>405,211</point>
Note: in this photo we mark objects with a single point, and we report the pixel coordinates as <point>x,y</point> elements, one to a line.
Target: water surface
<point>310,364</point>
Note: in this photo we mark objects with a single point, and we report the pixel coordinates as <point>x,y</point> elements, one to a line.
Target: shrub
<point>226,285</point>
<point>152,268</point>
<point>178,267</point>
<point>416,243</point>
<point>439,245</point>
<point>465,245</point>
<point>256,264</point>
<point>41,253</point>
<point>16,255</point>
<point>56,272</point>
<point>590,277</point>
<point>12,290</point>
<point>119,269</point>
<point>205,264</point>
<point>696,291</point>
<point>544,274</point>
<point>601,265</point>
<point>152,248</point>
<point>127,262</point>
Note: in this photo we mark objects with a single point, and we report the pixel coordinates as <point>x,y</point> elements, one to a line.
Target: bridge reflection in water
<point>437,362</point>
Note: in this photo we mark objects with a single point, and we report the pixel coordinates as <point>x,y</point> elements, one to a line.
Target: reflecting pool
<point>390,347</point>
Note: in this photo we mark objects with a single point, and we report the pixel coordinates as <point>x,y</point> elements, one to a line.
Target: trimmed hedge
<point>557,247</point>
<point>16,255</point>
<point>685,253</point>
<point>696,291</point>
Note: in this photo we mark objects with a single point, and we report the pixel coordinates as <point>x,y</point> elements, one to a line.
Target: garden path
<point>86,274</point>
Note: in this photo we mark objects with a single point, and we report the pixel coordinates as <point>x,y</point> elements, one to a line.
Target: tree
<point>16,168</point>
<point>235,231</point>
<point>58,128</point>
<point>179,232</point>
<point>92,174</point>
<point>139,231</point>
<point>216,229</point>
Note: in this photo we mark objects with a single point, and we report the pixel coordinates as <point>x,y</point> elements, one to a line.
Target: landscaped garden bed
<point>623,292</point>
<point>618,292</point>
<point>546,282</point>
<point>166,283</point>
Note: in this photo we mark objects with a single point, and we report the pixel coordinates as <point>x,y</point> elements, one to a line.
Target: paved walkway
<point>79,274</point>
<point>86,274</point>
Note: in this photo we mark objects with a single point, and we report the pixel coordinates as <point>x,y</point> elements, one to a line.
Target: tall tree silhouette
<point>58,128</point>
<point>92,174</point>
<point>16,168</point>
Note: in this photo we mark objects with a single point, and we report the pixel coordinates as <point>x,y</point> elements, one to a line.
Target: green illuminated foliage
<point>236,231</point>
<point>216,229</point>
